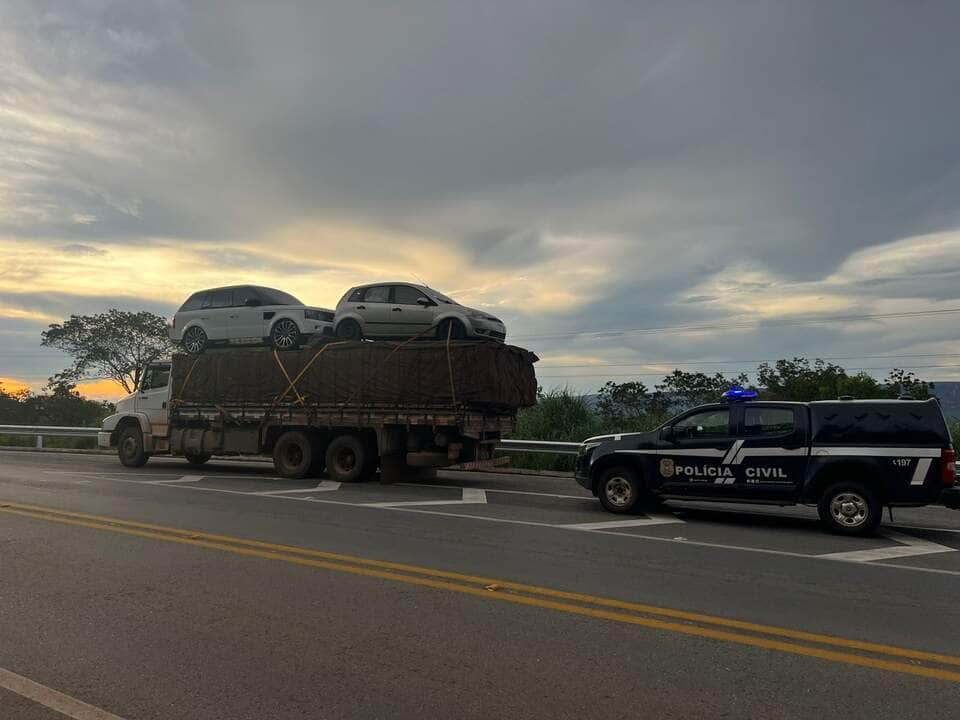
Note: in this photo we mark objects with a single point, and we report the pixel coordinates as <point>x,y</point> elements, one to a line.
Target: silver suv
<point>247,314</point>
<point>403,310</point>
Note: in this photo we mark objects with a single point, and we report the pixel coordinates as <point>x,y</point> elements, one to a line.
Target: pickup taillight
<point>949,467</point>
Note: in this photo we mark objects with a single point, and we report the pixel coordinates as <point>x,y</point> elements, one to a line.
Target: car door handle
<point>361,307</point>
<point>398,309</point>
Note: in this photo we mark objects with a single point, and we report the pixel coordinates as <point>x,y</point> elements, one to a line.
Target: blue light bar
<point>738,393</point>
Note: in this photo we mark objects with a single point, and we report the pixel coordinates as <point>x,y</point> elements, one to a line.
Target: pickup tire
<point>348,459</point>
<point>619,489</point>
<point>130,447</point>
<point>850,508</point>
<point>293,455</point>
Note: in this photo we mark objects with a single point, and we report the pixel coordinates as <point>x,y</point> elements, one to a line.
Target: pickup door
<point>772,449</point>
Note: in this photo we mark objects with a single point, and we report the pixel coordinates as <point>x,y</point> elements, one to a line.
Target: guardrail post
<point>39,445</point>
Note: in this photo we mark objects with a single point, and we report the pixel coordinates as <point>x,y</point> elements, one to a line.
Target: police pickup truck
<point>847,457</point>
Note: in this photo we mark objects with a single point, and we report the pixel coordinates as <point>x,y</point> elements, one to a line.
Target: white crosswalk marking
<point>469,496</point>
<point>908,547</point>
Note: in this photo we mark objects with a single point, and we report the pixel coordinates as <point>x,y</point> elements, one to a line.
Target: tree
<point>116,344</point>
<point>682,390</point>
<point>623,405</point>
<point>904,382</point>
<point>798,380</point>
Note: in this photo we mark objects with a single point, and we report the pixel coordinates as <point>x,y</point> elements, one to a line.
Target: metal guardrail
<point>539,446</point>
<point>41,431</point>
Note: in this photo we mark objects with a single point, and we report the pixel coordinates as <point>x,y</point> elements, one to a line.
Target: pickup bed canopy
<point>471,374</point>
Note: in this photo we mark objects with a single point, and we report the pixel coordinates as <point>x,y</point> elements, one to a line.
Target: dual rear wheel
<point>346,458</point>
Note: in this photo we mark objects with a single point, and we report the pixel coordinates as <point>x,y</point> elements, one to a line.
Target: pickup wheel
<point>293,455</point>
<point>850,508</point>
<point>348,459</point>
<point>197,459</point>
<point>130,447</point>
<point>619,489</point>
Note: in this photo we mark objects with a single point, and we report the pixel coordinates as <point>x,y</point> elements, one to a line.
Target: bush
<point>558,416</point>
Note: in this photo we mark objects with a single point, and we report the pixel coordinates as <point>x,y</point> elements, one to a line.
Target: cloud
<point>649,165</point>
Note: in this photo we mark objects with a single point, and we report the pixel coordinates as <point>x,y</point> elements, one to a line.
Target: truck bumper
<point>951,497</point>
<point>103,440</point>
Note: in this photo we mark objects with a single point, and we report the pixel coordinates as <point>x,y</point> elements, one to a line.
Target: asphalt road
<point>224,592</point>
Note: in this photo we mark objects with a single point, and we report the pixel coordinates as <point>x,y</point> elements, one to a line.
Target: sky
<point>727,172</point>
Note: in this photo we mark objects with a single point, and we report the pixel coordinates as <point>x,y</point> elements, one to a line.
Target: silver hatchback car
<point>403,310</point>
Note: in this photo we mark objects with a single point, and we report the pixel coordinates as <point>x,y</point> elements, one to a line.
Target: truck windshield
<point>277,297</point>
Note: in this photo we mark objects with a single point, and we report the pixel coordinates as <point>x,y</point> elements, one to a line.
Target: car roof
<point>393,282</point>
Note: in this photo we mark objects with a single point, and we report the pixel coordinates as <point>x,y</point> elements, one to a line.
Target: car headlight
<point>318,315</point>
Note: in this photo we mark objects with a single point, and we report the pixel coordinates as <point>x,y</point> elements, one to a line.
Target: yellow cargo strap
<point>293,383</point>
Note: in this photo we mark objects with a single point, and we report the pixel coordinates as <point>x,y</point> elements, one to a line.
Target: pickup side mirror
<point>252,302</point>
<point>667,434</point>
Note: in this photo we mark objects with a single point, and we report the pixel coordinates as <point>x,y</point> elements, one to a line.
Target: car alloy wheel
<point>194,340</point>
<point>285,334</point>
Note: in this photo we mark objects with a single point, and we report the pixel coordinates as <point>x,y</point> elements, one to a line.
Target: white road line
<point>324,486</point>
<point>635,522</point>
<point>510,521</point>
<point>929,529</point>
<point>498,490</point>
<point>53,699</point>
<point>469,496</point>
<point>183,479</point>
<point>909,546</point>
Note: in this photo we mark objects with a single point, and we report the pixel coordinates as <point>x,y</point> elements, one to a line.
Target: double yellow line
<point>768,637</point>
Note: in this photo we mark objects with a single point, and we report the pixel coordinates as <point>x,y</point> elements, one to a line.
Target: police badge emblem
<point>666,467</point>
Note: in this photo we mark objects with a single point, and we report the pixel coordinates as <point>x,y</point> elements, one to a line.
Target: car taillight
<point>949,467</point>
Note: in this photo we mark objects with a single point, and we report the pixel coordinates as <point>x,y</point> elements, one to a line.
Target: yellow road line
<point>819,638</point>
<point>370,568</point>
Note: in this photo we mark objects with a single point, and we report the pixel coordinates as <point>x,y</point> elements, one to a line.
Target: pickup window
<point>768,421</point>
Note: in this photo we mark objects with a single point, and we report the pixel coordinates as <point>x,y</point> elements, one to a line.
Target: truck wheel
<point>619,490</point>
<point>194,340</point>
<point>293,455</point>
<point>130,447</point>
<point>197,459</point>
<point>850,508</point>
<point>347,459</point>
<point>285,335</point>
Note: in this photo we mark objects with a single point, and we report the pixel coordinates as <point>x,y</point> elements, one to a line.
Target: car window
<point>760,421</point>
<point>378,294</point>
<point>271,296</point>
<point>194,302</point>
<point>155,377</point>
<point>241,295</point>
<point>219,299</point>
<point>355,295</point>
<point>440,297</point>
<point>710,423</point>
<point>406,295</point>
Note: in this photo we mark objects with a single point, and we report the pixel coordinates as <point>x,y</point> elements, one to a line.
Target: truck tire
<point>850,508</point>
<point>347,459</point>
<point>130,447</point>
<point>293,455</point>
<point>197,459</point>
<point>619,490</point>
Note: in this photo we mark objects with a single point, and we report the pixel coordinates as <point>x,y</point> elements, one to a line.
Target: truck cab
<point>139,428</point>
